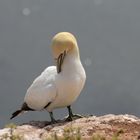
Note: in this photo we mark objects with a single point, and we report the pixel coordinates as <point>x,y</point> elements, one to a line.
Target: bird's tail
<point>16,113</point>
<point>24,108</point>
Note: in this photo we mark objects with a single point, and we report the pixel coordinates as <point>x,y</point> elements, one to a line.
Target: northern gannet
<point>57,86</point>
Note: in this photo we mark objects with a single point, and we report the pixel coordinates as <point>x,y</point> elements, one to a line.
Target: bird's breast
<point>68,88</point>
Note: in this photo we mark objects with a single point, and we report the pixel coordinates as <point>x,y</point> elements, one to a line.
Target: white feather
<point>43,90</point>
<point>60,89</point>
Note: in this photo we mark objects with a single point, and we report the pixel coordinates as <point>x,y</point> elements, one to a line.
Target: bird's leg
<point>71,115</point>
<point>53,121</point>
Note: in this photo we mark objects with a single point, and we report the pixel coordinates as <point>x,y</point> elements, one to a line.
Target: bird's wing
<point>43,90</point>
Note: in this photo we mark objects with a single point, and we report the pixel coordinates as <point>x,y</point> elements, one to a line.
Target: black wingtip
<point>23,109</point>
<point>16,113</point>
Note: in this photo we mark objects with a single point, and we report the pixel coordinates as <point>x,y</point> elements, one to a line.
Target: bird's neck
<point>74,54</point>
<point>71,62</point>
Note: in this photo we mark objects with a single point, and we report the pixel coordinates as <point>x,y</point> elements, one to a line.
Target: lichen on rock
<point>107,127</point>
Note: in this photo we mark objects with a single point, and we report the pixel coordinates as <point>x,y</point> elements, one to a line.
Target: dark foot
<point>69,118</point>
<point>73,117</point>
<point>78,116</point>
<point>53,121</point>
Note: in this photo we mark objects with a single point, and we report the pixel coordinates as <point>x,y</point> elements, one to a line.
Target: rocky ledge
<point>108,127</point>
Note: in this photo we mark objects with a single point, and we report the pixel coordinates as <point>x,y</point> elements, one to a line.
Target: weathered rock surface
<point>108,127</point>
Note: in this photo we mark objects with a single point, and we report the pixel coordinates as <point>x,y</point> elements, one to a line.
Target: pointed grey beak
<point>60,61</point>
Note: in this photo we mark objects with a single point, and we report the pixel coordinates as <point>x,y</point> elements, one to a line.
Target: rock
<point>108,127</point>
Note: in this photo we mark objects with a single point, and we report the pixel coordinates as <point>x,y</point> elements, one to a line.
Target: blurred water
<point>108,34</point>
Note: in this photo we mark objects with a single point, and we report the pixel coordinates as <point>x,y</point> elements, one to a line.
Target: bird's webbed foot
<point>77,116</point>
<point>53,121</point>
<point>72,116</point>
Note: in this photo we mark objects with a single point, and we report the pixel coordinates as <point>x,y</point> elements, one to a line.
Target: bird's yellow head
<point>63,41</point>
<point>62,44</point>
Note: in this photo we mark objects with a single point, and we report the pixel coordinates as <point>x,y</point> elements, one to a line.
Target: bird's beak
<point>60,60</point>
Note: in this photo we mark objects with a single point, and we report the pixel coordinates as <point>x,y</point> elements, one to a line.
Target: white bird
<point>57,86</point>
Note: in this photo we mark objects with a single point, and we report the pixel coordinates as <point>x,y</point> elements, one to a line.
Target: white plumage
<point>43,90</point>
<point>60,89</point>
<point>60,85</point>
